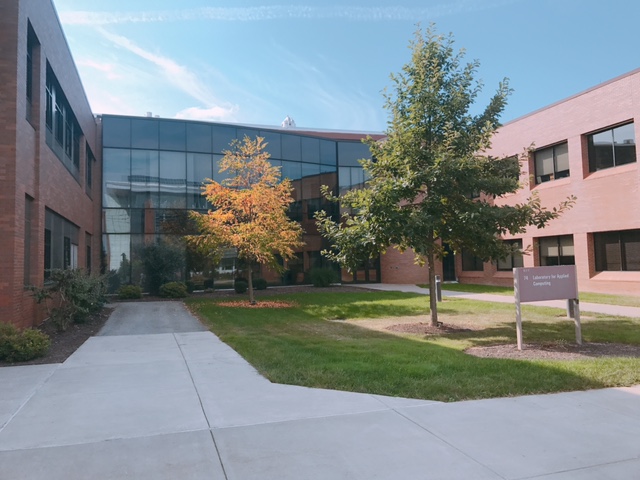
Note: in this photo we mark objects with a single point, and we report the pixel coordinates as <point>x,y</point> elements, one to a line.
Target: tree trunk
<point>433,294</point>
<point>250,280</point>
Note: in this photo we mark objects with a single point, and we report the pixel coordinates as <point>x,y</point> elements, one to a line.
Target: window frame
<point>512,257</point>
<point>557,174</point>
<point>591,149</point>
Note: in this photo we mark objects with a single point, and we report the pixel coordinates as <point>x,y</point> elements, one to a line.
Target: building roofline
<point>572,97</point>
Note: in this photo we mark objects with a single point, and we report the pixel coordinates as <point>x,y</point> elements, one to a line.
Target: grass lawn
<point>309,344</point>
<point>608,299</point>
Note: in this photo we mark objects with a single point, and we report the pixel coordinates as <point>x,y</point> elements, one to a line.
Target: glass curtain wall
<point>153,173</point>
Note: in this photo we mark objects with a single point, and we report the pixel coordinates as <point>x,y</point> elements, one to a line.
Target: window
<point>552,163</point>
<point>32,70</point>
<point>557,251</point>
<point>89,168</point>
<point>470,262</point>
<point>63,133</point>
<point>617,251</point>
<point>60,243</point>
<point>612,147</point>
<point>28,213</point>
<point>513,260</point>
<point>87,242</point>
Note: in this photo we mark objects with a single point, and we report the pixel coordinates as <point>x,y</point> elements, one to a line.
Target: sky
<point>327,64</point>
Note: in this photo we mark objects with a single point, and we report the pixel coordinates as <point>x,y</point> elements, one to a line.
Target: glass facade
<point>153,171</point>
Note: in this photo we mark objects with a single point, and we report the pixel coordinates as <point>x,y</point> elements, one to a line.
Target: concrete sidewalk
<point>186,406</point>
<point>617,310</point>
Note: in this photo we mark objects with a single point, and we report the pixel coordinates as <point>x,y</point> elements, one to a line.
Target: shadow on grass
<point>297,346</point>
<point>617,330</point>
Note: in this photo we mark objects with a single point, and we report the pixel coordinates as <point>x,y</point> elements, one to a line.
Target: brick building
<point>49,158</point>
<point>59,208</point>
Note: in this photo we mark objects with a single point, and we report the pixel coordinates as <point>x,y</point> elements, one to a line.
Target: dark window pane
<point>144,133</point>
<point>631,247</point>
<point>115,180</point>
<point>144,178</point>
<point>624,144</point>
<point>116,132</point>
<point>291,170</point>
<point>173,180</point>
<point>350,152</point>
<point>273,143</point>
<point>291,147</point>
<point>198,137</point>
<point>172,135</point>
<point>310,150</point>
<point>199,168</point>
<point>222,138</point>
<point>117,220</point>
<point>327,152</point>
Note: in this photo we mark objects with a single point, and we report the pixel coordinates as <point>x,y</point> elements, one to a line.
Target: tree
<point>423,174</point>
<point>249,210</point>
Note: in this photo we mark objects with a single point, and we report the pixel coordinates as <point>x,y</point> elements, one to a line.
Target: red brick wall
<point>28,166</point>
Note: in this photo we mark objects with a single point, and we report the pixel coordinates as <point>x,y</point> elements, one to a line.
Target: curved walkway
<point>132,403</point>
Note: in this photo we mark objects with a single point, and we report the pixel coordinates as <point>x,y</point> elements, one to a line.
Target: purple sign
<point>545,283</point>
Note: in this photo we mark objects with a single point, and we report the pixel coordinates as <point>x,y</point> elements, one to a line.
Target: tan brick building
<point>49,158</point>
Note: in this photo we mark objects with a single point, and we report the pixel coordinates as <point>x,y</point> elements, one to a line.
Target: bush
<point>16,346</point>
<point>173,290</point>
<point>161,262</point>
<point>191,287</point>
<point>71,296</point>
<point>240,285</point>
<point>259,284</point>
<point>208,283</point>
<point>129,292</point>
<point>322,277</point>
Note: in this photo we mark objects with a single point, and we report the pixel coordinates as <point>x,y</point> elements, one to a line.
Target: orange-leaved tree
<point>249,210</point>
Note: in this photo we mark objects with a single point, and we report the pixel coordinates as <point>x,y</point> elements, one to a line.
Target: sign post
<point>546,283</point>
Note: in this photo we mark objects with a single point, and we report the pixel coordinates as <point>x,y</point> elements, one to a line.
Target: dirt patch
<point>556,351</point>
<point>426,328</point>
<point>260,304</point>
<point>63,344</point>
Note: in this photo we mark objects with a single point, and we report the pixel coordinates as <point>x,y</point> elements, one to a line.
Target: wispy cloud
<point>278,12</point>
<point>180,77</point>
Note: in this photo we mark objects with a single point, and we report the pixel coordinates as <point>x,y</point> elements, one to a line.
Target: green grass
<point>301,346</point>
<point>589,297</point>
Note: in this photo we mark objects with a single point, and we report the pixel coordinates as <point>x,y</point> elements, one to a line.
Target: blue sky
<point>326,64</point>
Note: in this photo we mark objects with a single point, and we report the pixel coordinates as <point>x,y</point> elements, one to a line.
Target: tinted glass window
<point>116,132</point>
<point>273,143</point>
<point>327,152</point>
<point>173,182</point>
<point>144,178</point>
<point>172,135</point>
<point>350,152</point>
<point>144,133</point>
<point>198,137</point>
<point>222,137</point>
<point>115,178</point>
<point>291,147</point>
<point>310,149</point>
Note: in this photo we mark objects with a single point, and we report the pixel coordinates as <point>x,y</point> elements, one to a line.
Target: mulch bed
<point>63,344</point>
<point>260,304</point>
<point>426,328</point>
<point>556,351</point>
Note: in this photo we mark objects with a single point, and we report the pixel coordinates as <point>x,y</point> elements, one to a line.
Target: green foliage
<point>173,290</point>
<point>16,346</point>
<point>419,193</point>
<point>259,284</point>
<point>240,285</point>
<point>322,277</point>
<point>71,296</point>
<point>208,283</point>
<point>129,292</point>
<point>161,262</point>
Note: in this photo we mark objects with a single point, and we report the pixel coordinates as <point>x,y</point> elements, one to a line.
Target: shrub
<point>322,277</point>
<point>129,292</point>
<point>208,283</point>
<point>240,285</point>
<point>173,290</point>
<point>71,296</point>
<point>161,262</point>
<point>191,287</point>
<point>18,346</point>
<point>259,284</point>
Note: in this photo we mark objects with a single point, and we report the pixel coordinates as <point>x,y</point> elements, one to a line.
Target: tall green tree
<point>423,174</point>
<point>249,210</point>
